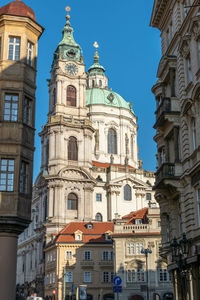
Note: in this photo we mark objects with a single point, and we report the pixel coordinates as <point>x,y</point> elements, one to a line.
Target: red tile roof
<point>107,165</point>
<point>94,235</point>
<point>139,214</point>
<point>18,8</point>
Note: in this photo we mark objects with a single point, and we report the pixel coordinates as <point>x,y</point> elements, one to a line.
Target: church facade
<point>90,170</point>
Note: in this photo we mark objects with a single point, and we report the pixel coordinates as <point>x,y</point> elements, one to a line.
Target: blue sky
<point>129,50</point>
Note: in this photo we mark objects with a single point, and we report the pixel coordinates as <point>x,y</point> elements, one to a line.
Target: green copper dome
<point>100,96</point>
<point>68,48</point>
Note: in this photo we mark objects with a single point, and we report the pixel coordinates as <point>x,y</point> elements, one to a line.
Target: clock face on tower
<point>71,69</point>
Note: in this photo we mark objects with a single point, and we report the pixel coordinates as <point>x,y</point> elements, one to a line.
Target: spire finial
<point>96,56</point>
<point>68,9</point>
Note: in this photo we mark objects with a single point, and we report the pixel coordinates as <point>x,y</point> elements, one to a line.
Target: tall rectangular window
<point>68,276</point>
<point>23,181</point>
<point>7,167</point>
<point>130,249</point>
<point>11,107</point>
<point>105,255</point>
<point>163,275</point>
<point>105,276</point>
<point>139,247</point>
<point>68,255</point>
<point>87,276</point>
<point>27,111</point>
<point>131,276</point>
<point>14,48</point>
<point>148,196</point>
<point>30,54</point>
<point>140,275</point>
<point>98,197</point>
<point>87,255</point>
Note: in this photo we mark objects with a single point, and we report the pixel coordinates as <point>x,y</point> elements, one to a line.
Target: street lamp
<point>180,250</point>
<point>146,252</point>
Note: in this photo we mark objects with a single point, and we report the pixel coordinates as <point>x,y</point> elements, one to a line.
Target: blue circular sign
<point>117,280</point>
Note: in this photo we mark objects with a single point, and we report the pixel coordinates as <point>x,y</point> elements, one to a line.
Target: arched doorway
<point>136,297</point>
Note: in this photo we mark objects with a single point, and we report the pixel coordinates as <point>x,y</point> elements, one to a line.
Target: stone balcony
<point>167,108</point>
<point>132,228</point>
<point>87,263</point>
<point>106,263</point>
<point>170,171</point>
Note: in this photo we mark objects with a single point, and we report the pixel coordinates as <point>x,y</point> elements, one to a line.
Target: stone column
<point>59,92</point>
<point>8,262</point>
<point>109,206</point>
<point>51,145</point>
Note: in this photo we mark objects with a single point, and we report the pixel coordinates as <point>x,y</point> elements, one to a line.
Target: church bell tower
<point>67,136</point>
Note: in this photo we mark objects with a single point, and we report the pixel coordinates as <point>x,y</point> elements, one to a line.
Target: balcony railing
<point>87,263</point>
<point>167,170</point>
<point>106,263</point>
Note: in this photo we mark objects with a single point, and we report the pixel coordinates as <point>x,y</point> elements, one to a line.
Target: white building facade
<point>90,169</point>
<point>177,93</point>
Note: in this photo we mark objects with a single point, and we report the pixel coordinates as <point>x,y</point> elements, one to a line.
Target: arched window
<point>100,83</point>
<point>112,141</point>
<point>72,201</point>
<point>71,95</point>
<point>72,149</point>
<point>93,83</point>
<point>127,193</point>
<point>99,217</point>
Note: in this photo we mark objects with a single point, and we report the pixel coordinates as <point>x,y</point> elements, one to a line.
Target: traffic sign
<point>117,289</point>
<point>54,292</point>
<point>117,280</point>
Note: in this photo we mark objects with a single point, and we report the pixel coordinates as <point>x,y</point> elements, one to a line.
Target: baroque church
<point>90,170</point>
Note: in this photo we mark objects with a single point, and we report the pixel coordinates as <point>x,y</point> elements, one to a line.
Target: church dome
<point>18,8</point>
<point>99,96</point>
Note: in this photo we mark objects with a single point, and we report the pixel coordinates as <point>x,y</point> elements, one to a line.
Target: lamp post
<point>180,251</point>
<point>146,252</point>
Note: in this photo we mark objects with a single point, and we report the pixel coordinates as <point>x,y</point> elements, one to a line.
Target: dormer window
<point>107,236</point>
<point>89,226</point>
<point>78,235</point>
<point>138,221</point>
